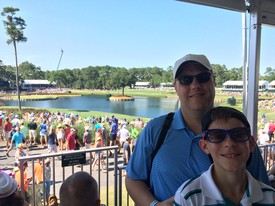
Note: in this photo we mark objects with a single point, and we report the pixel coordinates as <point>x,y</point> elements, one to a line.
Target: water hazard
<point>141,106</point>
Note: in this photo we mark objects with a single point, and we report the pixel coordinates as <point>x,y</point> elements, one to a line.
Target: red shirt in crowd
<point>7,126</point>
<point>271,127</point>
<point>71,141</point>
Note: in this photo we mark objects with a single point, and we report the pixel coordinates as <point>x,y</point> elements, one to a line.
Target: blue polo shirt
<point>17,138</point>
<point>178,159</point>
<point>114,128</point>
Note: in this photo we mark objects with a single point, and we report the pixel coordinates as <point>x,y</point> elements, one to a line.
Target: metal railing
<point>63,164</point>
<point>111,183</point>
<point>268,154</point>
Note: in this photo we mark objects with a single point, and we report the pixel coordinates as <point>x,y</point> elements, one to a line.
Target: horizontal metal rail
<point>59,173</point>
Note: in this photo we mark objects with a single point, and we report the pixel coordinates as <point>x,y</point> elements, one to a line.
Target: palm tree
<point>14,28</point>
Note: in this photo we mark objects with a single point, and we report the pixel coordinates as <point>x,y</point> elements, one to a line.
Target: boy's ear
<point>252,143</point>
<point>204,146</point>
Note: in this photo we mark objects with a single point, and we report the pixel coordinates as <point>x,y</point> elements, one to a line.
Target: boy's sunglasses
<point>239,134</point>
<point>188,79</point>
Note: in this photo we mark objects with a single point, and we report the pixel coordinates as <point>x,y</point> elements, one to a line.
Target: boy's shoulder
<point>191,184</point>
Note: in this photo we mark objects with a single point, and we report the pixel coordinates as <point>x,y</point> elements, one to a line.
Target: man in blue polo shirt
<point>17,138</point>
<point>179,157</point>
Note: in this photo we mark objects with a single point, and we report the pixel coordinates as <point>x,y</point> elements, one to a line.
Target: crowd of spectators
<point>63,132</point>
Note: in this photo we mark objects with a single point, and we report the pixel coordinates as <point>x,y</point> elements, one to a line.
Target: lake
<point>141,106</point>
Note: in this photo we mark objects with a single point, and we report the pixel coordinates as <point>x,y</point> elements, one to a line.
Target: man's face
<point>196,96</point>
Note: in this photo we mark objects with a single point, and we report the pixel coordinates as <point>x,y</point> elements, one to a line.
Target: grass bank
<point>82,113</point>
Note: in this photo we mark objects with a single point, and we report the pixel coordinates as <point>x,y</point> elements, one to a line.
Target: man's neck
<point>193,121</point>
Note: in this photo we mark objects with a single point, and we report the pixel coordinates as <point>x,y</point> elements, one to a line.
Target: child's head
<point>227,138</point>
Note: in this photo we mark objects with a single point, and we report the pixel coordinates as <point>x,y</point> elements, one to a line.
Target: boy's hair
<point>222,113</point>
<point>79,189</point>
<point>217,113</point>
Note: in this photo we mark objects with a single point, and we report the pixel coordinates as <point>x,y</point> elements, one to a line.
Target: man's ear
<point>252,143</point>
<point>175,85</point>
<point>204,146</point>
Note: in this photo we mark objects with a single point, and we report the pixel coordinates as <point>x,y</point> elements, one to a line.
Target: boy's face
<point>228,155</point>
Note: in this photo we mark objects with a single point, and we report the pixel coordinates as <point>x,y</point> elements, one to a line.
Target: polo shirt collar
<point>178,122</point>
<point>209,188</point>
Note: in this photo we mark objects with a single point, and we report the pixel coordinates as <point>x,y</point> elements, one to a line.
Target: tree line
<point>108,77</point>
<point>95,77</point>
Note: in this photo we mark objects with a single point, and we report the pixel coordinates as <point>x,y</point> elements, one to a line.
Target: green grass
<point>103,197</point>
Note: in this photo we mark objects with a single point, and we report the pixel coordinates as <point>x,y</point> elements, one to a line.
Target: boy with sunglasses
<point>227,139</point>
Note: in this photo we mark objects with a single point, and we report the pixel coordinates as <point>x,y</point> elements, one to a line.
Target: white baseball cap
<point>199,58</point>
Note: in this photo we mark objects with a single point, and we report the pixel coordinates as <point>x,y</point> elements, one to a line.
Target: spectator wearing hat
<point>263,137</point>
<point>27,180</point>
<point>32,126</point>
<point>99,135</point>
<point>6,131</point>
<point>123,134</point>
<point>87,137</point>
<point>228,142</point>
<point>60,133</point>
<point>15,121</point>
<point>71,139</point>
<point>8,191</point>
<point>19,153</point>
<point>98,155</point>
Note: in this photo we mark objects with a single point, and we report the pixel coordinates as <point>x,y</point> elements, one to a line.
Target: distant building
<point>142,85</point>
<point>237,86</point>
<point>34,84</point>
<point>271,87</point>
<point>166,86</point>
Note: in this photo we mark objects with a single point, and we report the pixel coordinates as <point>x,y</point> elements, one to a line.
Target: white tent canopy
<point>260,12</point>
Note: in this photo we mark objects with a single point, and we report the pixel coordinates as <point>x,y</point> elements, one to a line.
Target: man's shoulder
<point>157,120</point>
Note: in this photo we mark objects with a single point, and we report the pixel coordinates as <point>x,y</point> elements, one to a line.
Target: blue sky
<point>128,34</point>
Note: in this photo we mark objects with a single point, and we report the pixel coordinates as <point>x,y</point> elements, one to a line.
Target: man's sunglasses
<point>239,134</point>
<point>188,79</point>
